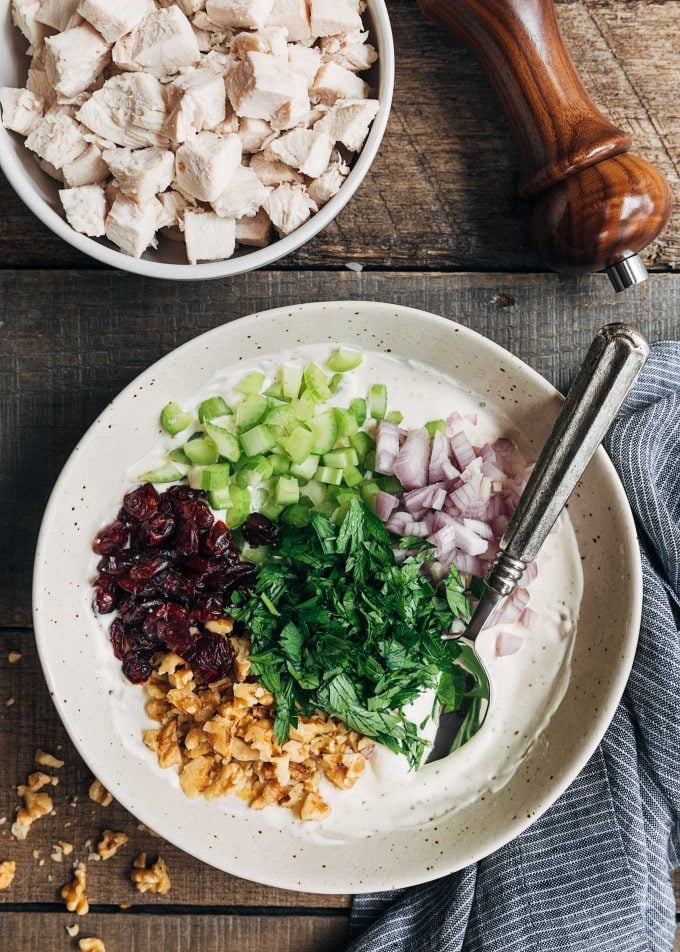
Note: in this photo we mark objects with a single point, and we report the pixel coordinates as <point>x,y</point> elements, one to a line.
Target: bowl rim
<point>628,554</point>
<point>22,184</point>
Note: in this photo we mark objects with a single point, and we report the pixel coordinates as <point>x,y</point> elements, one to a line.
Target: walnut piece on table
<point>7,871</point>
<point>151,879</point>
<point>44,759</point>
<point>99,794</point>
<point>73,893</point>
<point>14,657</point>
<point>93,944</point>
<point>36,803</point>
<point>110,843</point>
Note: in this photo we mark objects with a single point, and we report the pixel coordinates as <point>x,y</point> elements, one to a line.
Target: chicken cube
<point>189,7</point>
<point>114,21</point>
<point>75,58</point>
<point>260,84</point>
<point>88,169</point>
<point>306,150</point>
<point>141,173</point>
<point>305,60</point>
<point>295,112</point>
<point>270,40</point>
<point>348,122</point>
<point>334,82</point>
<point>59,14</point>
<point>289,206</point>
<point>208,237</point>
<point>197,103</point>
<point>349,50</point>
<point>273,172</point>
<point>37,81</point>
<point>58,139</point>
<point>330,17</point>
<point>241,14</point>
<point>253,133</point>
<point>256,230</point>
<point>294,16</point>
<point>161,43</point>
<point>205,164</point>
<point>85,209</point>
<point>132,226</point>
<point>51,170</point>
<point>323,188</point>
<point>243,197</point>
<point>24,14</point>
<point>21,109</point>
<point>173,206</point>
<point>127,110</point>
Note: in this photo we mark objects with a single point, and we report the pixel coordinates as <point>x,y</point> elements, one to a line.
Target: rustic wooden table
<point>436,225</point>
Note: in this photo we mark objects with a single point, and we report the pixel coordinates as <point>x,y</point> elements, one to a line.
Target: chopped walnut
<point>14,656</point>
<point>47,760</point>
<point>91,945</point>
<point>73,893</point>
<point>73,930</point>
<point>151,879</point>
<point>314,807</point>
<point>36,803</point>
<point>110,843</point>
<point>100,794</point>
<point>7,871</point>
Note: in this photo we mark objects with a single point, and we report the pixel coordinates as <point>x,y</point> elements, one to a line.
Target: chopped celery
<point>335,383</point>
<point>282,415</point>
<point>219,499</point>
<point>257,555</point>
<point>174,419</point>
<point>238,506</point>
<point>369,460</point>
<point>287,491</point>
<point>275,391</point>
<point>179,456</point>
<point>347,422</point>
<point>270,509</point>
<point>298,445</point>
<point>436,426</point>
<point>201,452</point>
<point>258,440</point>
<point>167,473</point>
<point>316,383</point>
<point>306,469</point>
<point>255,471</point>
<point>212,408</point>
<point>297,515</point>
<point>389,484</point>
<point>326,474</point>
<point>358,408</point>
<point>338,459</point>
<point>377,401</point>
<point>280,463</point>
<point>314,491</point>
<point>369,490</point>
<point>324,428</point>
<point>225,441</point>
<point>344,359</point>
<point>304,406</point>
<point>216,477</point>
<point>362,443</point>
<point>394,416</point>
<point>251,383</point>
<point>250,411</point>
<point>291,381</point>
<point>352,476</point>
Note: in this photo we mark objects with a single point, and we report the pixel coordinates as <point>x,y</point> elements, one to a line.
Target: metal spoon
<point>611,367</point>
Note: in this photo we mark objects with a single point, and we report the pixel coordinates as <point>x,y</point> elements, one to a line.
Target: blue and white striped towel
<point>592,875</point>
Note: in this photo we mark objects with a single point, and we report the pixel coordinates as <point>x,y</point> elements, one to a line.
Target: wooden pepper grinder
<point>596,205</point>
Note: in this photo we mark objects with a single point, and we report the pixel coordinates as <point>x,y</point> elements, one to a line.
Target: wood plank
<point>71,341</point>
<point>441,193</point>
<point>31,722</point>
<point>171,933</point>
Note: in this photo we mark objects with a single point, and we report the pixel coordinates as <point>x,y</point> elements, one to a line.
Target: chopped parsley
<point>336,625</point>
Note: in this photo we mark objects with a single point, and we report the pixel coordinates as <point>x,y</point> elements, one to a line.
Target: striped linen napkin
<point>592,875</point>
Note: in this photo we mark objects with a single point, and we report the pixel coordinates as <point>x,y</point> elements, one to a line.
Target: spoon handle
<point>611,367</point>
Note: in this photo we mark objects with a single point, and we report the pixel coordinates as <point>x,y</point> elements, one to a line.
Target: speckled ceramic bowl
<point>104,714</point>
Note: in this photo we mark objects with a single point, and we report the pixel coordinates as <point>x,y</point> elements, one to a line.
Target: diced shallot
<point>463,450</point>
<point>385,504</point>
<point>386,447</point>
<point>412,463</point>
<point>508,643</point>
<point>441,466</point>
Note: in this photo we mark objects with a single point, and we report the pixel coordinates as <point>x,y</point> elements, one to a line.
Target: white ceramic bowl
<point>104,714</point>
<point>40,192</point>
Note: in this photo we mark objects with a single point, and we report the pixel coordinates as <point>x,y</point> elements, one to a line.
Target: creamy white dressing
<point>527,687</point>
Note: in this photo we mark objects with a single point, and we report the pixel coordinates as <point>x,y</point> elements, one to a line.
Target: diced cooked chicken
<point>51,170</point>
<point>229,124</point>
<point>141,173</point>
<point>24,14</point>
<point>21,109</point>
<point>161,43</point>
<point>37,81</point>
<point>305,60</point>
<point>88,169</point>
<point>334,82</point>
<point>202,38</point>
<point>189,7</point>
<point>127,110</point>
<point>289,206</point>
<point>330,17</point>
<point>348,122</point>
<point>59,14</point>
<point>208,237</point>
<point>256,230</point>
<point>291,114</point>
<point>242,14</point>
<point>323,188</point>
<point>114,20</point>
<point>349,50</point>
<point>58,139</point>
<point>270,40</point>
<point>253,133</point>
<point>243,197</point>
<point>197,103</point>
<point>294,15</point>
<point>260,84</point>
<point>205,164</point>
<point>273,172</point>
<point>85,209</point>
<point>75,58</point>
<point>132,226</point>
<point>306,150</point>
<point>172,208</point>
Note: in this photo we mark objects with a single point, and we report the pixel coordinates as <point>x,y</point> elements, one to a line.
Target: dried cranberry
<point>207,608</point>
<point>156,530</point>
<point>105,594</point>
<point>140,503</point>
<point>112,539</point>
<point>258,530</point>
<point>118,636</point>
<point>177,493</point>
<point>137,667</point>
<point>175,585</point>
<point>210,655</point>
<point>114,564</point>
<point>168,622</point>
<point>134,610</point>
<point>219,540</point>
<point>147,569</point>
<point>142,588</point>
